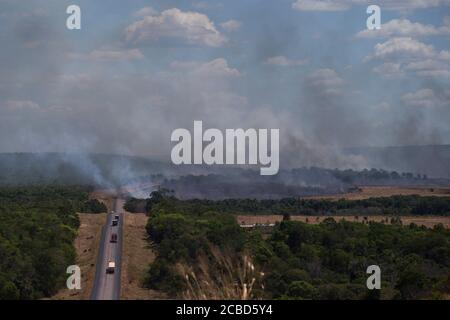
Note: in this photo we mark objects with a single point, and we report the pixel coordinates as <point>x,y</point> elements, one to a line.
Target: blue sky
<point>139,69</point>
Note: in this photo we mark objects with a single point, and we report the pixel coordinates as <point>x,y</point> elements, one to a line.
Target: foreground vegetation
<point>37,228</point>
<point>297,260</point>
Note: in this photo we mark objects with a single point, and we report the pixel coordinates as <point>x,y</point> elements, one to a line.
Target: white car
<point>111,267</point>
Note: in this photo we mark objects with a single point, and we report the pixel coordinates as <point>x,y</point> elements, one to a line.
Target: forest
<point>298,260</point>
<point>395,205</point>
<point>37,228</point>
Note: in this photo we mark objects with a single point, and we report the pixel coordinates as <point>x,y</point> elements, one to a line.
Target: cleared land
<point>427,221</point>
<point>86,244</point>
<point>373,192</point>
<point>136,259</point>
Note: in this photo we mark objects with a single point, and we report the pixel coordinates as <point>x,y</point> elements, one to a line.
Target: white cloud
<point>102,54</point>
<point>321,5</point>
<point>109,54</point>
<point>204,5</point>
<point>16,105</point>
<point>425,65</point>
<point>326,81</point>
<point>427,98</point>
<point>389,70</point>
<point>146,11</point>
<point>404,28</point>
<point>444,55</point>
<point>188,27</point>
<point>404,47</point>
<point>217,67</point>
<point>231,25</point>
<point>282,61</point>
<point>400,56</point>
<point>341,5</point>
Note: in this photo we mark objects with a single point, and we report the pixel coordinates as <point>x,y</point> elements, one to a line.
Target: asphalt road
<point>107,286</point>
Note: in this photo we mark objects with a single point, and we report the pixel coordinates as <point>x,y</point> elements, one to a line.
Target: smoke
<point>56,96</point>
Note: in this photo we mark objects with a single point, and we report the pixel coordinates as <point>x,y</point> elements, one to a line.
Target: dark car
<point>113,238</point>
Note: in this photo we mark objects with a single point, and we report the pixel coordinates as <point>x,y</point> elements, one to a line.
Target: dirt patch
<point>136,258</point>
<point>86,245</point>
<point>372,192</point>
<point>428,221</point>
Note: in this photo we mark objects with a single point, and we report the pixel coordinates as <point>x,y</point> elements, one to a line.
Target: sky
<point>137,70</point>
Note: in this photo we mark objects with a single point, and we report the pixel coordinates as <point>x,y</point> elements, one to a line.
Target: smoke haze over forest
<point>134,73</point>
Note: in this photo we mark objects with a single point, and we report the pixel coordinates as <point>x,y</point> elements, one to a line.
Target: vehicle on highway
<point>113,238</point>
<point>116,217</point>
<point>114,223</point>
<point>111,267</point>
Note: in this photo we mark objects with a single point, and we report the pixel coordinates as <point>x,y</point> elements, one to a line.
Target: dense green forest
<point>182,236</point>
<point>395,205</point>
<point>37,228</point>
<point>329,261</point>
<point>93,206</point>
<point>298,260</point>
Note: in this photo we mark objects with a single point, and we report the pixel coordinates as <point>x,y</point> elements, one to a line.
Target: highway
<point>107,286</point>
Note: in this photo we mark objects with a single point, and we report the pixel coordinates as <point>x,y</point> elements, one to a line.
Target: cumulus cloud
<point>404,28</point>
<point>326,80</point>
<point>231,25</point>
<point>216,67</point>
<point>282,61</point>
<point>146,11</point>
<point>427,98</point>
<point>403,47</point>
<point>341,5</point>
<point>106,54</point>
<point>444,55</point>
<point>15,105</point>
<point>321,5</point>
<point>403,55</point>
<point>430,68</point>
<point>204,5</point>
<point>191,28</point>
<point>389,70</point>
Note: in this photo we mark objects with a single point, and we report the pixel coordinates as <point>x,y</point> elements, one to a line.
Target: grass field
<point>136,259</point>
<point>427,221</point>
<point>373,192</point>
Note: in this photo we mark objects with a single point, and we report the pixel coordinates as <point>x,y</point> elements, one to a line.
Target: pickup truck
<point>111,267</point>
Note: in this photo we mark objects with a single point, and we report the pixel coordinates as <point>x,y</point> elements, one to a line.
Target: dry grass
<point>136,259</point>
<point>224,276</point>
<point>86,244</point>
<point>427,221</point>
<point>370,192</point>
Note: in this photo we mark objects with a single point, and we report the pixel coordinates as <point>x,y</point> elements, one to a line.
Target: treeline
<point>298,260</point>
<point>93,206</point>
<point>37,228</point>
<point>353,176</point>
<point>249,184</point>
<point>394,205</point>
